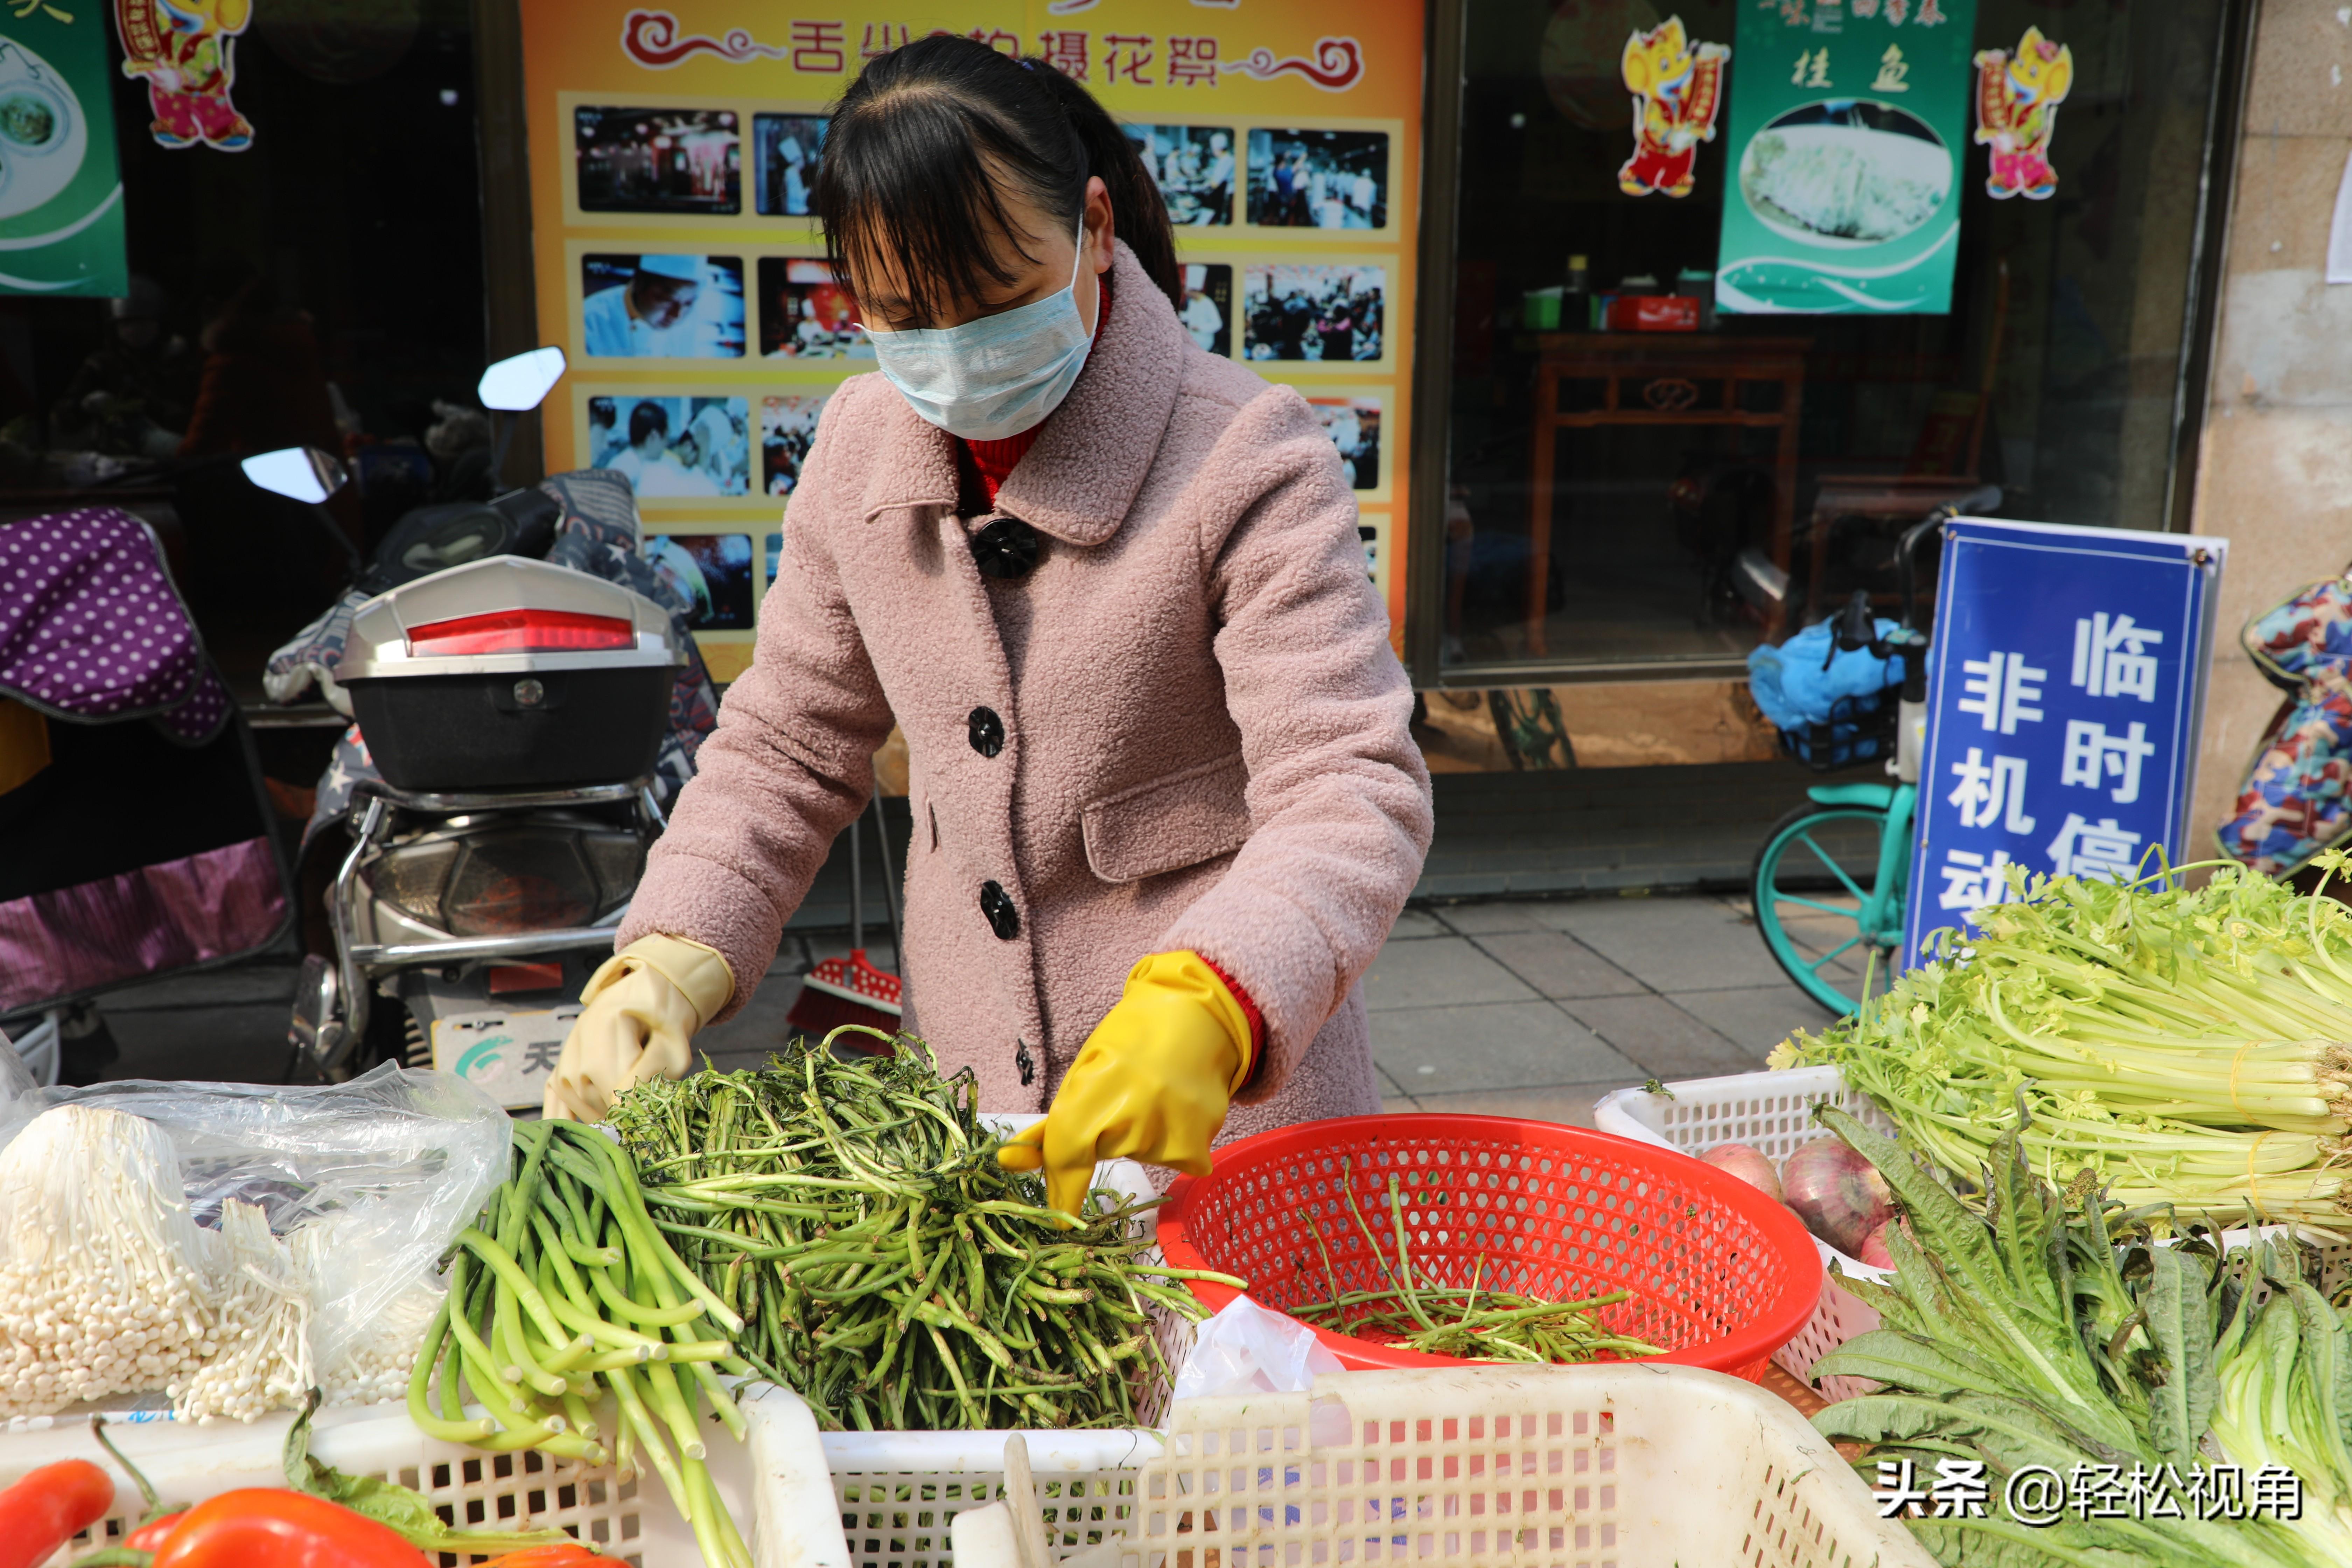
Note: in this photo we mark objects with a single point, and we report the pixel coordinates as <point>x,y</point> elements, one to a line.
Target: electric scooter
<point>513,708</point>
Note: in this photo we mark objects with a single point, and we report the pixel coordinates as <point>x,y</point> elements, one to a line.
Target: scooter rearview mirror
<point>519,382</point>
<point>299,473</point>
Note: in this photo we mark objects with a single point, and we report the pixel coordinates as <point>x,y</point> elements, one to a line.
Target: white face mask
<point>997,376</point>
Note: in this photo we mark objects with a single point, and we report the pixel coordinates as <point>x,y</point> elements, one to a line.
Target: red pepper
<point>568,1554</point>
<point>263,1527</point>
<point>50,1506</point>
<point>151,1536</point>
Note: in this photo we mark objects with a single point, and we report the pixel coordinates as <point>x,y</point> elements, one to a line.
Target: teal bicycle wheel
<point>1811,907</point>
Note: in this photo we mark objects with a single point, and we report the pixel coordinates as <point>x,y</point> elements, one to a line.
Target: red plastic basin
<point>1718,1273</point>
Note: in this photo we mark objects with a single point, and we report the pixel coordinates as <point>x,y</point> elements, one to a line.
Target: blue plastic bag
<point>1793,689</point>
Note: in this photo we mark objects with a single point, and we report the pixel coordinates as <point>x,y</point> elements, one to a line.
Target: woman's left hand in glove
<point>1152,1083</point>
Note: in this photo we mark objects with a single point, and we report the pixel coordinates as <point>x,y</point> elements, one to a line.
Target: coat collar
<point>1078,481</point>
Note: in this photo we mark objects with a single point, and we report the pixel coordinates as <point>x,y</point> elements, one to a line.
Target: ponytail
<point>920,144</point>
<point>1139,215</point>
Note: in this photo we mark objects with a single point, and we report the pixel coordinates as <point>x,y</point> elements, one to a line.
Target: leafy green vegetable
<point>2284,1386</point>
<point>2048,1330</point>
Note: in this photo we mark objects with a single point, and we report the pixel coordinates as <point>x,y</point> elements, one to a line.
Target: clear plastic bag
<point>16,1077</point>
<point>389,1166</point>
<point>1247,1349</point>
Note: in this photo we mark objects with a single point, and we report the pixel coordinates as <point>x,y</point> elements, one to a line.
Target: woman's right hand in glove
<point>641,1008</point>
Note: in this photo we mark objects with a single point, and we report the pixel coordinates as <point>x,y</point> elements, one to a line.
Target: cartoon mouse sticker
<point>185,50</point>
<point>1677,86</point>
<point>2018,96</point>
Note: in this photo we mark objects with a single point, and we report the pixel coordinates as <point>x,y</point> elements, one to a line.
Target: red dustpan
<point>839,990</point>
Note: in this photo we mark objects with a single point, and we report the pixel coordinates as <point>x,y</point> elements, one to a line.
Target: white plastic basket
<point>1771,1112</point>
<point>899,1492</point>
<point>1583,1467</point>
<point>633,1520</point>
<point>829,1500</point>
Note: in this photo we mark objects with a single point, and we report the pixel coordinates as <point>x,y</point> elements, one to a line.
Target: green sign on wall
<point>60,188</point>
<point>1849,123</point>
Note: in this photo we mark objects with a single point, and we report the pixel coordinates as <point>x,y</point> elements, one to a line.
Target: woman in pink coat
<point>1166,805</point>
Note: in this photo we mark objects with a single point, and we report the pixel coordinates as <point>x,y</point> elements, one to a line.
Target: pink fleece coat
<point>1205,733</point>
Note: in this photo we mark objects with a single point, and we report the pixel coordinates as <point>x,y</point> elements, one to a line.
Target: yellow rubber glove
<point>1153,1081</point>
<point>643,1004</point>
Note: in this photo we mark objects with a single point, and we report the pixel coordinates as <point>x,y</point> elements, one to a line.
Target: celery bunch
<point>2187,1046</point>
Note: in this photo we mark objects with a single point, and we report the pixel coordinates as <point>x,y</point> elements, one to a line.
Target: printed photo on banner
<point>1313,313</point>
<point>805,314</point>
<point>1846,175</point>
<point>669,447</point>
<point>1208,312</point>
<point>661,307</point>
<point>1318,179</point>
<point>713,572</point>
<point>1354,426</point>
<point>787,426</point>
<point>1193,167</point>
<point>784,151</point>
<point>772,547</point>
<point>658,160</point>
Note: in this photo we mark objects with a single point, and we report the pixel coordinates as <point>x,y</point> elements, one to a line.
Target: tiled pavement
<point>1539,1007</point>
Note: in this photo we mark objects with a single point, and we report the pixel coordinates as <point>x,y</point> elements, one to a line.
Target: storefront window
<point>1673,477</point>
<point>312,277</point>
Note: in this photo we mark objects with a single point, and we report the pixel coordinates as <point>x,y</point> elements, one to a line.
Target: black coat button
<point>987,732</point>
<point>1006,548</point>
<point>1003,918</point>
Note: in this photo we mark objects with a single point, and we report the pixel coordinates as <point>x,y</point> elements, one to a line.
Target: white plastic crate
<point>633,1520</point>
<point>830,1500</point>
<point>1771,1112</point>
<point>898,1492</point>
<point>1604,1466</point>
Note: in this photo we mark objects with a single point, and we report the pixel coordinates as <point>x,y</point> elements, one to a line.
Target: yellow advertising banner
<point>672,156</point>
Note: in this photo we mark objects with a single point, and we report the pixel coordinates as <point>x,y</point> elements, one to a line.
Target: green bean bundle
<point>1437,1319</point>
<point>563,1291</point>
<point>884,1267</point>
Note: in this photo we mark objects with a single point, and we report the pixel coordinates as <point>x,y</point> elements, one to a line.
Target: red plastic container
<point>1719,1273</point>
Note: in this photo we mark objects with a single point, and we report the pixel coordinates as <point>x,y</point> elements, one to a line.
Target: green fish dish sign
<point>1849,119</point>
<point>60,190</point>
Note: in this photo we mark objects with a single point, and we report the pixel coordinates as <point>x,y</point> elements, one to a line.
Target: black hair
<point>916,147</point>
<point>647,419</point>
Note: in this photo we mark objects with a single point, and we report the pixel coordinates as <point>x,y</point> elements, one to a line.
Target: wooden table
<point>1661,379</point>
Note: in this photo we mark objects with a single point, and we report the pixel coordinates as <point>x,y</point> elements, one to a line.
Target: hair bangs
<point>920,176</point>
<point>933,148</point>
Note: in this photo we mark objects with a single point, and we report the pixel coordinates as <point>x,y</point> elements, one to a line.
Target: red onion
<point>1873,1248</point>
<point>1739,1159</point>
<point>1839,1194</point>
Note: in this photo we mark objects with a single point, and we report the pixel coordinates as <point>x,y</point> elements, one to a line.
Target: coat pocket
<point>1171,823</point>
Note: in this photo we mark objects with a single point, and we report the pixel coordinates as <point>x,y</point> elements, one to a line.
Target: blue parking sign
<point>2065,696</point>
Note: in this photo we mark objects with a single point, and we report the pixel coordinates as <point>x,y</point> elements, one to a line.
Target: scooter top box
<point>508,673</point>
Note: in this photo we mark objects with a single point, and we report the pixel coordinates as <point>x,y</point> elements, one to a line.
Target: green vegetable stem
<point>562,1293</point>
<point>2188,1046</point>
<point>1420,1315</point>
<point>883,1265</point>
